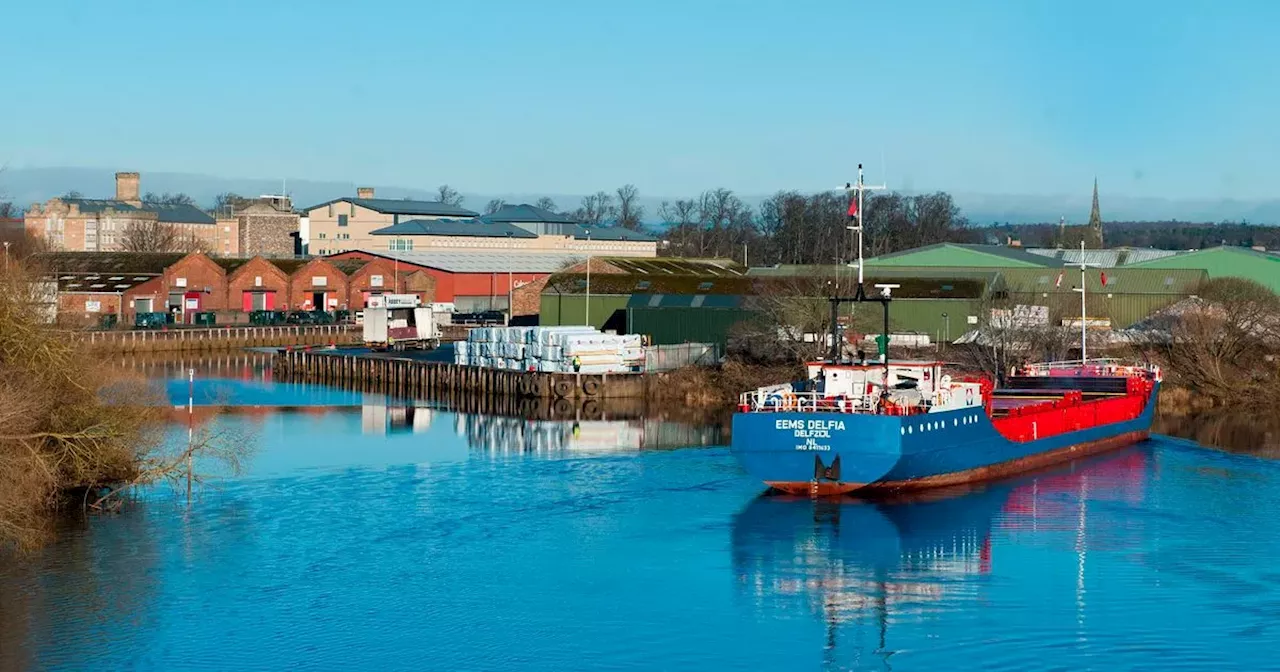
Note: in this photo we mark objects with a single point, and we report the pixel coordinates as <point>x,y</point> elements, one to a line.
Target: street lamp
<point>587,320</point>
<point>510,289</point>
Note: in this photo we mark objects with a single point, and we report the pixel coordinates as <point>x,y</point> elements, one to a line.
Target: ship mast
<point>1084,310</point>
<point>856,192</point>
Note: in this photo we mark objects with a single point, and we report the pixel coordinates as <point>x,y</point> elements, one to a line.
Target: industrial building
<point>92,285</point>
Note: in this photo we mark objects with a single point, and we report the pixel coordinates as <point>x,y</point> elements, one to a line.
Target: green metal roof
<point>964,255</point>
<point>1226,262</point>
<point>628,283</point>
<point>677,266</point>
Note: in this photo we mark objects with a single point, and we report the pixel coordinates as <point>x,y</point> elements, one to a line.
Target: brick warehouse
<point>91,285</point>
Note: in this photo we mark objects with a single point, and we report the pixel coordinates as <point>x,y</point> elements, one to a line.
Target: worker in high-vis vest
<point>577,363</point>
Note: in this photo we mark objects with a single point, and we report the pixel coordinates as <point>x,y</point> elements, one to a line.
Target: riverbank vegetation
<point>72,432</point>
<point>1223,347</point>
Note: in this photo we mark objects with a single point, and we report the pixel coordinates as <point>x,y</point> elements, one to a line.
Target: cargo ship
<point>908,425</point>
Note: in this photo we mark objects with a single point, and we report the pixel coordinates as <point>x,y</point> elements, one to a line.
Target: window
<point>319,281</point>
<point>320,235</point>
<point>375,281</point>
<point>704,286</point>
<point>642,285</point>
<point>948,288</point>
<point>342,220</point>
<point>400,245</point>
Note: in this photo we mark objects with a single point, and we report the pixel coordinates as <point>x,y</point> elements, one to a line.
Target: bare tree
<point>448,195</point>
<point>72,193</point>
<point>1223,346</point>
<point>630,213</point>
<point>229,202</point>
<point>8,210</point>
<point>597,209</point>
<point>546,204</point>
<point>151,236</point>
<point>494,206</point>
<point>152,198</point>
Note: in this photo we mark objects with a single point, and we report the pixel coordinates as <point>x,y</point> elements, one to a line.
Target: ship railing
<point>1107,365</point>
<point>785,401</point>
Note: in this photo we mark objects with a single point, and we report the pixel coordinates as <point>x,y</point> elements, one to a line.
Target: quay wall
<point>411,378</point>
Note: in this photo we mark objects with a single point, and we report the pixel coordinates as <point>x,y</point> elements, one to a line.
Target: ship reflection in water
<point>865,565</point>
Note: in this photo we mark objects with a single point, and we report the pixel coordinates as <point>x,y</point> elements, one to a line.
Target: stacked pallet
<point>550,350</point>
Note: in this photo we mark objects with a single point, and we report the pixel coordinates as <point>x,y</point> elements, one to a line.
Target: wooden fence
<point>218,338</point>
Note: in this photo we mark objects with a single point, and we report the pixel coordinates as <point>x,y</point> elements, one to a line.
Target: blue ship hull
<point>834,453</point>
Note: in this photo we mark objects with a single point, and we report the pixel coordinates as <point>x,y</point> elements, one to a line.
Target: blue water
<point>364,537</point>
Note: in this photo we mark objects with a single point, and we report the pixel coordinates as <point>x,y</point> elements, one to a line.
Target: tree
<point>150,236</point>
<point>448,195</point>
<point>596,209</point>
<point>494,206</point>
<point>9,210</point>
<point>1223,344</point>
<point>229,202</point>
<point>546,204</point>
<point>72,193</point>
<point>167,198</point>
<point>630,213</point>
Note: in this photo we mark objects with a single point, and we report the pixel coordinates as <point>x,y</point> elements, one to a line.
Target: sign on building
<point>91,306</point>
<point>375,281</point>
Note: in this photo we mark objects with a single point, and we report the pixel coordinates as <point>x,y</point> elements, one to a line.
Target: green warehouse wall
<point>608,311</point>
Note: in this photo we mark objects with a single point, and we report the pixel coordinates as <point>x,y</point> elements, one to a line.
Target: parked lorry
<point>399,322</point>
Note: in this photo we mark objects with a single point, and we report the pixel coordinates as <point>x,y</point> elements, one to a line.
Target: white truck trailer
<point>399,322</point>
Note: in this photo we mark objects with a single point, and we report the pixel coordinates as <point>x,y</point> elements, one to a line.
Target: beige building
<point>100,225</point>
<point>348,223</point>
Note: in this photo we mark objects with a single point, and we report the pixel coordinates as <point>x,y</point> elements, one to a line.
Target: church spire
<point>1095,216</point>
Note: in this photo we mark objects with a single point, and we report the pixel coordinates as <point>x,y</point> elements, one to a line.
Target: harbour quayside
<point>905,425</point>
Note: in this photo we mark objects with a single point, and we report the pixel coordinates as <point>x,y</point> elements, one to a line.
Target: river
<point>370,534</point>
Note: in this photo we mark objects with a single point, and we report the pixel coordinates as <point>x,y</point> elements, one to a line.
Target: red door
<point>247,302</point>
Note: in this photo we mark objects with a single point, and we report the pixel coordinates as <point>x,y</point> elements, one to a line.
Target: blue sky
<point>1158,99</point>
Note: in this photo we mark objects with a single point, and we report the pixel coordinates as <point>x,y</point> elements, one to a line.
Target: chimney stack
<point>127,188</point>
<point>364,192</point>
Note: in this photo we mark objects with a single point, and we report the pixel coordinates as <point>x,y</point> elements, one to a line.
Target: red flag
<point>1059,282</point>
<point>853,208</point>
<point>1104,278</point>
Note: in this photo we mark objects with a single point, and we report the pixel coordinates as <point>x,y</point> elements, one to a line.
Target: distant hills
<point>28,185</point>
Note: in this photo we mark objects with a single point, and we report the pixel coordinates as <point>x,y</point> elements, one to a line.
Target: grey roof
<point>516,261</point>
<point>610,233</point>
<point>99,204</point>
<point>392,206</point>
<point>1104,258</point>
<point>528,213</point>
<point>454,227</point>
<point>184,214</point>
